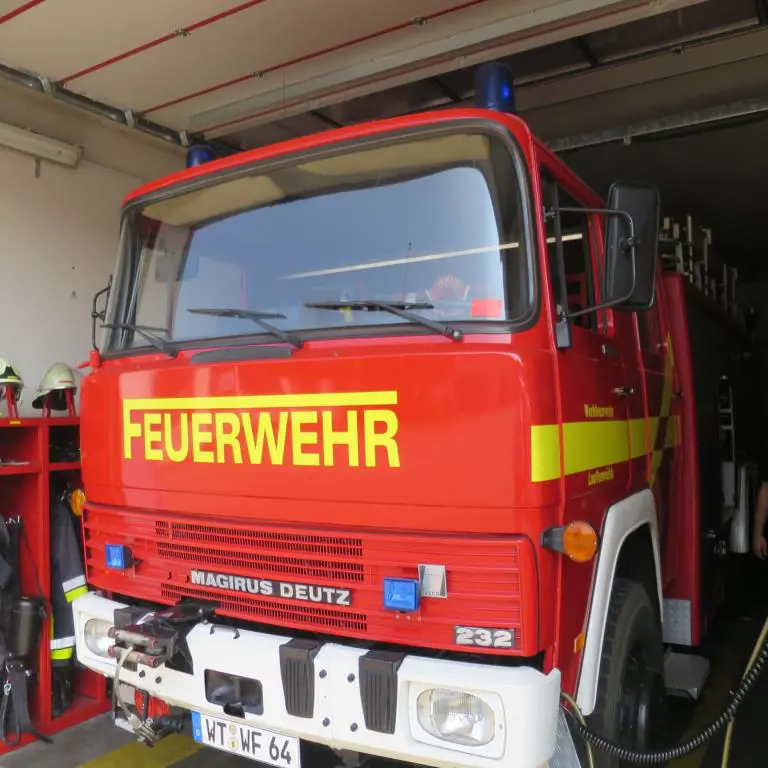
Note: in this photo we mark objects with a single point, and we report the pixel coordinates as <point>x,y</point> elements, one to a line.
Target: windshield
<point>434,222</point>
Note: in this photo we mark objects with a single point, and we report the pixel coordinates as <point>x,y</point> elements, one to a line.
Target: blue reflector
<point>118,557</point>
<point>402,595</point>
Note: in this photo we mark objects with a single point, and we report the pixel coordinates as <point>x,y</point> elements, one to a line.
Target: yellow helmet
<point>57,380</point>
<point>11,379</point>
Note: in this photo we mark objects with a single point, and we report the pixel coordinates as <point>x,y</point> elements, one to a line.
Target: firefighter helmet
<point>58,380</point>
<point>11,379</point>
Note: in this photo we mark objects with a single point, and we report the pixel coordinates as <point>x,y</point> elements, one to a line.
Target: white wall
<point>59,231</point>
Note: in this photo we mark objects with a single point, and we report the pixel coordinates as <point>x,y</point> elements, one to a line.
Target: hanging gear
<point>26,622</point>
<point>57,389</point>
<point>67,584</point>
<point>11,386</point>
<point>20,622</point>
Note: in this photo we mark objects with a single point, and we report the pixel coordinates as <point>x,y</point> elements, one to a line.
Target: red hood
<point>419,431</point>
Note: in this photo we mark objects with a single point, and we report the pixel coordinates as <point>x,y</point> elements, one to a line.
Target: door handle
<point>624,391</point>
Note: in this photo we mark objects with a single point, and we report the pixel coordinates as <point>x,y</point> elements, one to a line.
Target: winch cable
<point>726,717</point>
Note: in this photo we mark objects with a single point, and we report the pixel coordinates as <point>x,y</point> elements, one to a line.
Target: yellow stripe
<point>545,452</point>
<point>261,402</point>
<point>674,432</point>
<point>167,752</point>
<point>62,654</point>
<point>637,438</point>
<point>73,594</point>
<point>666,406</point>
<point>591,445</point>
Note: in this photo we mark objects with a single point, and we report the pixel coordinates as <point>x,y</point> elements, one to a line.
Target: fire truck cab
<point>390,440</point>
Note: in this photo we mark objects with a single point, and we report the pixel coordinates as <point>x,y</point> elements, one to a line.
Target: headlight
<point>96,638</point>
<point>455,716</point>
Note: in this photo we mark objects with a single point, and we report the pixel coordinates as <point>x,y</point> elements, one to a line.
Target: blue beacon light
<point>495,87</point>
<point>199,154</point>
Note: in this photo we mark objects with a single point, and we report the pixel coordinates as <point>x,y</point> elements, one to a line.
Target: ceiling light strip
<point>406,260</point>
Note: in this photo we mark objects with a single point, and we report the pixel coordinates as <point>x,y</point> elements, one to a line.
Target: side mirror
<point>631,247</point>
<point>99,312</point>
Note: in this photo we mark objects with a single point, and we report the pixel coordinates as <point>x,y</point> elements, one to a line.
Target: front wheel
<point>630,692</point>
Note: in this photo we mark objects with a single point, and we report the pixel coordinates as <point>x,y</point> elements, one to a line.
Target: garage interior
<point>672,93</point>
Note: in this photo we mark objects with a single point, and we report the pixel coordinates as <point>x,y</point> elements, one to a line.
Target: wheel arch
<point>629,548</point>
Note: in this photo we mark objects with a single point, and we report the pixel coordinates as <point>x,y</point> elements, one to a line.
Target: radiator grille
<point>201,556</point>
<point>261,550</point>
<point>261,610</point>
<point>491,578</point>
<point>330,546</point>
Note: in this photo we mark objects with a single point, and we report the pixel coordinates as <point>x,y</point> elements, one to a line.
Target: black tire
<point>630,692</point>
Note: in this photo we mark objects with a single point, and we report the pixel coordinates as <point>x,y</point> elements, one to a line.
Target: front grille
<point>328,546</point>
<point>194,543</point>
<point>271,564</point>
<point>256,609</point>
<point>324,579</point>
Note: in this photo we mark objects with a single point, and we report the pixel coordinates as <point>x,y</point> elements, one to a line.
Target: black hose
<point>701,738</point>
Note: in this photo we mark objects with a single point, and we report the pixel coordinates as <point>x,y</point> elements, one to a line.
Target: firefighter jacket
<point>67,583</point>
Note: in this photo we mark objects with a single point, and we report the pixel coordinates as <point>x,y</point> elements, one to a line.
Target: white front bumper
<point>524,701</point>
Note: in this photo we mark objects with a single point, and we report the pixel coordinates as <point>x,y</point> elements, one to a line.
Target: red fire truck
<point>394,435</point>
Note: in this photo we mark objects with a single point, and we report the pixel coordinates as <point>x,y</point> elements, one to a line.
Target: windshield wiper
<point>145,331</point>
<point>259,318</point>
<point>399,308</point>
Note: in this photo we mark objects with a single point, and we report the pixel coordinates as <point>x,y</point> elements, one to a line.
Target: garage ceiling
<point>219,67</point>
<point>250,73</point>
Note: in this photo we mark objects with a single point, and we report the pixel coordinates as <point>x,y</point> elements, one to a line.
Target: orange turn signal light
<point>577,540</point>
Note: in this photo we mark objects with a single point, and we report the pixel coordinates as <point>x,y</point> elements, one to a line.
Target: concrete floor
<point>98,744</point>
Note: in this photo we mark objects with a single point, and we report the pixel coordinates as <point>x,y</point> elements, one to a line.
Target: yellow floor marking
<point>165,753</point>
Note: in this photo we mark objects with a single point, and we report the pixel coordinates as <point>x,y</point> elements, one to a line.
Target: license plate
<point>246,741</point>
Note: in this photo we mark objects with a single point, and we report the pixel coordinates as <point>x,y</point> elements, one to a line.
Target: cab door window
<point>573,278</point>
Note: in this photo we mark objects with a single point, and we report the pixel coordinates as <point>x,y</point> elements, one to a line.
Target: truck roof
<point>326,138</point>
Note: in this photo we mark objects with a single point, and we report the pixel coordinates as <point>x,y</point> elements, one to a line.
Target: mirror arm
<point>97,314</point>
<point>597,307</point>
<point>630,244</point>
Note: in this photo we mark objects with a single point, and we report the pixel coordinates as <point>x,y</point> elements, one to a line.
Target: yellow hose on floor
<point>580,717</point>
<point>729,731</point>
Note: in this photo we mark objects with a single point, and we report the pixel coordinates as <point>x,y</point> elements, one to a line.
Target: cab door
<point>660,401</point>
<point>594,379</point>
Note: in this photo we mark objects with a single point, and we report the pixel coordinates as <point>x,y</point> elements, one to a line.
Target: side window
<point>573,278</point>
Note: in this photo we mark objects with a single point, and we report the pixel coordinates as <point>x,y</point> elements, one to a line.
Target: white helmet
<point>57,380</point>
<point>10,378</point>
